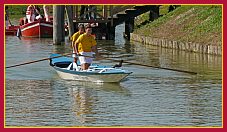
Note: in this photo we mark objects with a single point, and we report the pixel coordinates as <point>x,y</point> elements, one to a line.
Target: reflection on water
<point>83,105</point>
<point>84,99</point>
<point>36,96</point>
<point>41,102</point>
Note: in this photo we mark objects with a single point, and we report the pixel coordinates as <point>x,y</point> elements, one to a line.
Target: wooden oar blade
<point>194,73</point>
<point>133,63</point>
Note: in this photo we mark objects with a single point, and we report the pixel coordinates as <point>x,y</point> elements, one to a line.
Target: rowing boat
<point>39,29</point>
<point>12,30</point>
<point>68,70</point>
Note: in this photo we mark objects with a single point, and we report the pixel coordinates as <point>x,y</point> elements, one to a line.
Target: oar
<point>9,20</point>
<point>44,59</point>
<point>19,33</point>
<point>133,63</point>
<point>10,23</point>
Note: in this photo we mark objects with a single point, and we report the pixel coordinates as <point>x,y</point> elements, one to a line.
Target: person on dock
<point>74,37</point>
<point>30,13</point>
<point>84,12</point>
<point>8,23</point>
<point>37,12</point>
<point>92,13</point>
<point>46,12</point>
<point>85,46</point>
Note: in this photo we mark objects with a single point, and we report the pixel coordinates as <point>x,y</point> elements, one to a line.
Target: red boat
<point>39,28</point>
<point>12,30</point>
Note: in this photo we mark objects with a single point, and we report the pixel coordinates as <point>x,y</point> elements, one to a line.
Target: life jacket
<point>30,10</point>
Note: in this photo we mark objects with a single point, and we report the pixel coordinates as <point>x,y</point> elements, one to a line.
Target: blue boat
<point>68,70</point>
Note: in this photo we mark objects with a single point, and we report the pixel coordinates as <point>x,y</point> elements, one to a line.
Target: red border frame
<point>100,2</point>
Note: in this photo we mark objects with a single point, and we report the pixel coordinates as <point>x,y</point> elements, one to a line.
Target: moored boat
<point>67,70</point>
<point>39,29</point>
<point>12,30</point>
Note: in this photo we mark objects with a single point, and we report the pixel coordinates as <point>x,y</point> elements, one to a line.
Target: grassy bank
<point>17,10</point>
<point>199,24</point>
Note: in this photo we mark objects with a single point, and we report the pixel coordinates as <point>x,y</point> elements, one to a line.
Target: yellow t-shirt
<point>75,36</point>
<point>85,43</point>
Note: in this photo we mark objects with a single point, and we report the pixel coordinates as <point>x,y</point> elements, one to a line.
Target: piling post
<point>105,11</point>
<point>69,14</point>
<point>111,14</point>
<point>58,24</point>
<point>110,34</point>
<point>129,27</point>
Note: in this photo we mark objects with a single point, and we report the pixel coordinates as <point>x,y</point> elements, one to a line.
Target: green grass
<point>17,10</point>
<point>199,24</point>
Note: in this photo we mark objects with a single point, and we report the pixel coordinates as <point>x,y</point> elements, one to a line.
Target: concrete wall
<point>187,46</point>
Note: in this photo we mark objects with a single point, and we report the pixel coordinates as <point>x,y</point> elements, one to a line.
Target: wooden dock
<point>104,18</point>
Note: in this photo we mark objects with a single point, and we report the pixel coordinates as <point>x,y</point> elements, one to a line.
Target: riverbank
<point>189,28</point>
<point>187,46</point>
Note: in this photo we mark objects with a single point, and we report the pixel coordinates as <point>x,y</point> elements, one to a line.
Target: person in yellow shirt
<point>74,37</point>
<point>86,45</point>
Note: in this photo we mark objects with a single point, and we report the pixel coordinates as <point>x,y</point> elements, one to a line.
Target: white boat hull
<point>92,78</point>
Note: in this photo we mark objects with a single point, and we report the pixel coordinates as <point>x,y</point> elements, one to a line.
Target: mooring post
<point>58,24</point>
<point>129,27</point>
<point>69,14</point>
<point>110,34</point>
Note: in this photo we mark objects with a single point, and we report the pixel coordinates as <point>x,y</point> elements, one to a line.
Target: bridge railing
<point>97,13</point>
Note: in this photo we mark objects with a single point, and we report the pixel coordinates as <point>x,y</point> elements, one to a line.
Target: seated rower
<point>85,45</point>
